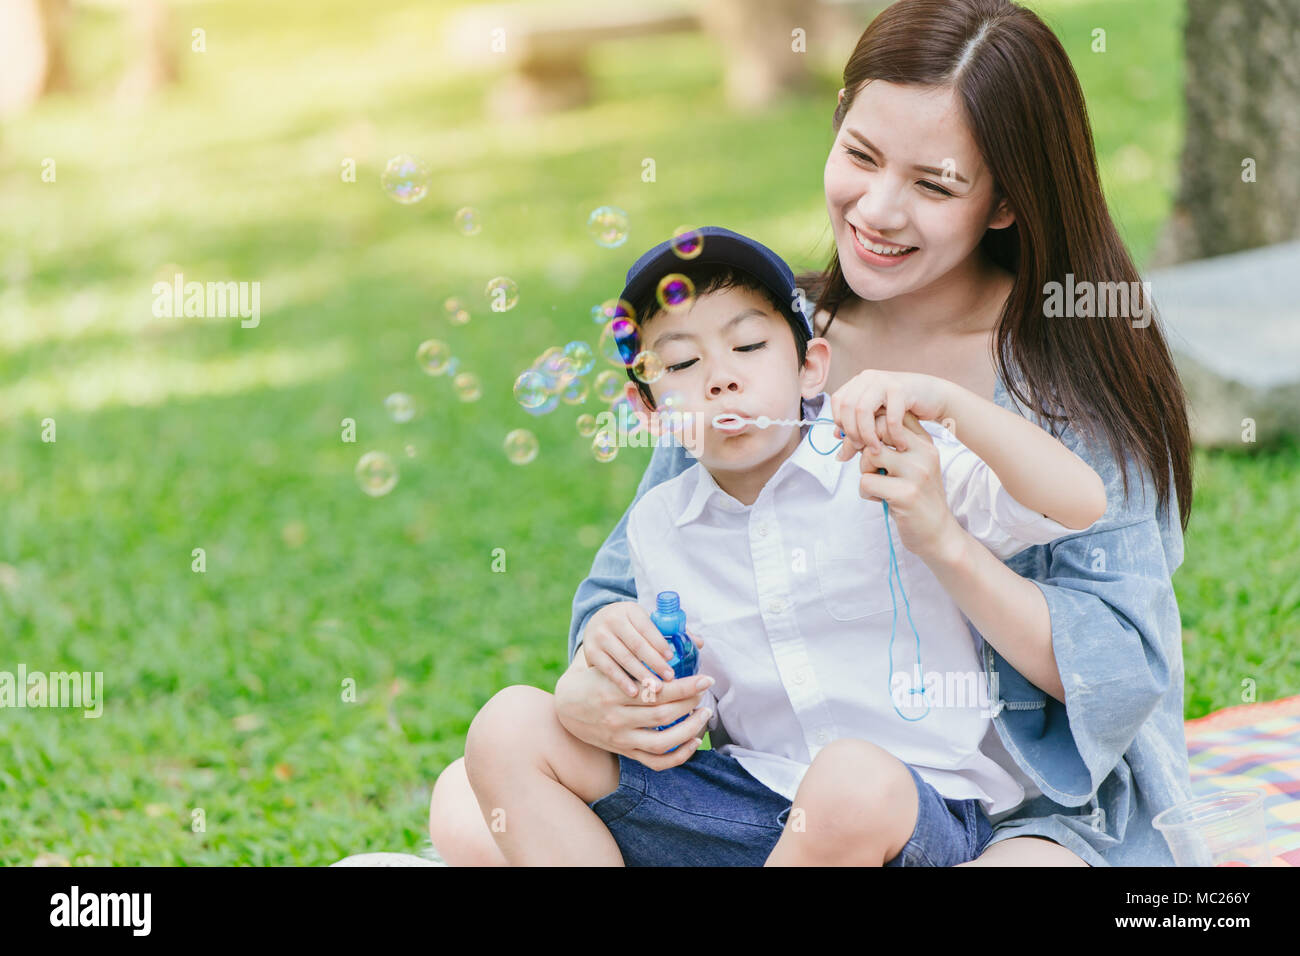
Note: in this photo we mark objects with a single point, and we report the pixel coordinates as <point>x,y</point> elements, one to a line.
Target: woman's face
<point>904,174</point>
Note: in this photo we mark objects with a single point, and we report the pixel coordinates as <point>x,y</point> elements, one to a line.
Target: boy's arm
<point>1034,467</point>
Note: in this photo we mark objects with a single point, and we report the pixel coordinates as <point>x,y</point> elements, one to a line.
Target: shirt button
<point>821,735</point>
<point>798,677</point>
<point>762,531</point>
<point>776,606</point>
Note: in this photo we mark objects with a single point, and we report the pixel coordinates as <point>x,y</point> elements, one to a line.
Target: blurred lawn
<point>223,689</point>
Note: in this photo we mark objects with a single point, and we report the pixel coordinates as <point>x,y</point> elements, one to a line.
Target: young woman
<point>961,184</point>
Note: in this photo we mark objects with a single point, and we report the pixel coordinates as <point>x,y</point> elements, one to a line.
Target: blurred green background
<point>223,689</point>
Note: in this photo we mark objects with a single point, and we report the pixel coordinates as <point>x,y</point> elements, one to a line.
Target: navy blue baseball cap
<point>726,248</point>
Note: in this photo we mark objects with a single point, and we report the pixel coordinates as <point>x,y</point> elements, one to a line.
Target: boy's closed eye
<point>739,348</point>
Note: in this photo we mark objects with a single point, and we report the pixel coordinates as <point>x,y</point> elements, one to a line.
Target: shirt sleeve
<point>1116,634</point>
<point>983,506</point>
<point>611,578</point>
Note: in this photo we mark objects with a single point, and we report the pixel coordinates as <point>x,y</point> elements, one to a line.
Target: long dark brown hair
<point>1026,113</point>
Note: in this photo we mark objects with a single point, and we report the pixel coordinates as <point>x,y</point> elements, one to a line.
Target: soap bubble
<point>410,451</point>
<point>558,369</point>
<point>586,425</point>
<point>580,354</point>
<point>548,406</point>
<point>405,179</point>
<point>468,221</point>
<point>400,406</point>
<point>675,292</point>
<point>603,446</point>
<point>503,292</point>
<point>619,341</point>
<point>608,226</point>
<point>613,309</point>
<point>434,357</point>
<point>688,243</point>
<point>530,389</point>
<point>468,387</point>
<point>648,367</point>
<point>376,473</point>
<point>575,393</point>
<point>453,365</point>
<point>457,314</point>
<point>608,385</point>
<point>521,446</point>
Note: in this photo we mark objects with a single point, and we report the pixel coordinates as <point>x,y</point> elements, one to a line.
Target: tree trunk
<point>763,57</point>
<point>1238,185</point>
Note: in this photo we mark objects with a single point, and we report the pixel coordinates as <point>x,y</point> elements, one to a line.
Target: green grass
<point>224,689</point>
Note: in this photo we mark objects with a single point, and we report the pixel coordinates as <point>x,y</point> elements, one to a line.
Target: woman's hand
<point>856,404</point>
<point>913,486</point>
<point>594,709</point>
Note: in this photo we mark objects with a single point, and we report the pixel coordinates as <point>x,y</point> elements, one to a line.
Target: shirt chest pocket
<point>853,572</point>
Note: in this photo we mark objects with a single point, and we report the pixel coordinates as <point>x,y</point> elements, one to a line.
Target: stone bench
<point>545,45</point>
<point>1233,324</point>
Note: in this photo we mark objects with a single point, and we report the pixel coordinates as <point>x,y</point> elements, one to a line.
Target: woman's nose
<point>881,208</point>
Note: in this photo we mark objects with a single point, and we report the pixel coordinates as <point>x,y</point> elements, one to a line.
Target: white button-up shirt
<point>791,597</point>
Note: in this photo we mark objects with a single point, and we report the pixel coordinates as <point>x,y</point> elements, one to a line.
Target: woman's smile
<point>879,255</point>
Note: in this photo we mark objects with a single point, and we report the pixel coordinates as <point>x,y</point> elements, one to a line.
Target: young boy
<point>794,580</point>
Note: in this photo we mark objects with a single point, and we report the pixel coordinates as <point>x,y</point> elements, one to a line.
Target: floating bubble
<point>582,357</point>
<point>453,365</point>
<point>586,425</point>
<point>468,387</point>
<point>405,179</point>
<point>575,393</point>
<point>608,226</point>
<point>530,389</point>
<point>559,370</point>
<point>503,292</point>
<point>400,406</point>
<point>410,451</point>
<point>457,314</point>
<point>648,367</point>
<point>687,243</point>
<point>619,341</point>
<point>548,406</point>
<point>675,292</point>
<point>598,315</point>
<point>376,473</point>
<point>434,357</point>
<point>608,385</point>
<point>521,446</point>
<point>468,221</point>
<point>613,309</point>
<point>603,446</point>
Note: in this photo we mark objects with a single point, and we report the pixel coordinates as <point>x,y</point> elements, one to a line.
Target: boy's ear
<point>816,368</point>
<point>643,412</point>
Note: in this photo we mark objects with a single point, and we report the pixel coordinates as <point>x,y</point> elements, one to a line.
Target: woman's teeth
<point>882,250</point>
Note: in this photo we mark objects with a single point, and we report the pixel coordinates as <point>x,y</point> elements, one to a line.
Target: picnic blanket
<point>1254,745</point>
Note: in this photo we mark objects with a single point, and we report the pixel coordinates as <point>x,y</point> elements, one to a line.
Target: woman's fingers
<point>895,407</point>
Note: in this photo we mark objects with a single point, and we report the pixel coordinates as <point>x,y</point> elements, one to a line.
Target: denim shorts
<point>710,811</point>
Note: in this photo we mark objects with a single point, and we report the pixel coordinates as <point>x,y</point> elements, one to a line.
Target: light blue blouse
<point>1113,755</point>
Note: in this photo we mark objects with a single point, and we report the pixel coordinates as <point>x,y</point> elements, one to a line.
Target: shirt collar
<point>825,468</point>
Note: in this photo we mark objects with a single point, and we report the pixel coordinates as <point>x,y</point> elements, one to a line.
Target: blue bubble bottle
<point>671,621</point>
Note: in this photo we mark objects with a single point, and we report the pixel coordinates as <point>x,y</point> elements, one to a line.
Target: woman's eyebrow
<point>925,169</point>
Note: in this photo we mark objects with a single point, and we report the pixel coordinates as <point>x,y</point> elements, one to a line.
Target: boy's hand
<point>619,637</point>
<point>855,405</point>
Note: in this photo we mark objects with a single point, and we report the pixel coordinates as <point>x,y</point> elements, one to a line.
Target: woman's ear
<point>1002,215</point>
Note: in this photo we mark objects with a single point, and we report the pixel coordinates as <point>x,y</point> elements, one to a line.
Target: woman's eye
<point>681,365</point>
<point>750,348</point>
<point>859,155</point>
<point>935,188</point>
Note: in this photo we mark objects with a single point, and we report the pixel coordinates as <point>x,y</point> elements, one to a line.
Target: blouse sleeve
<point>1115,632</point>
<point>611,578</point>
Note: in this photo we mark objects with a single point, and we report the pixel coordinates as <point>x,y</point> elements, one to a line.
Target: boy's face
<point>732,352</point>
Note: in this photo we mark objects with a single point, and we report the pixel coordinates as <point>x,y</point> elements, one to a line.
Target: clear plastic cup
<point>1226,828</point>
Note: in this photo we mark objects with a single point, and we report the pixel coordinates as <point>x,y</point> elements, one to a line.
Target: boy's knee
<point>503,724</point>
<point>848,785</point>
